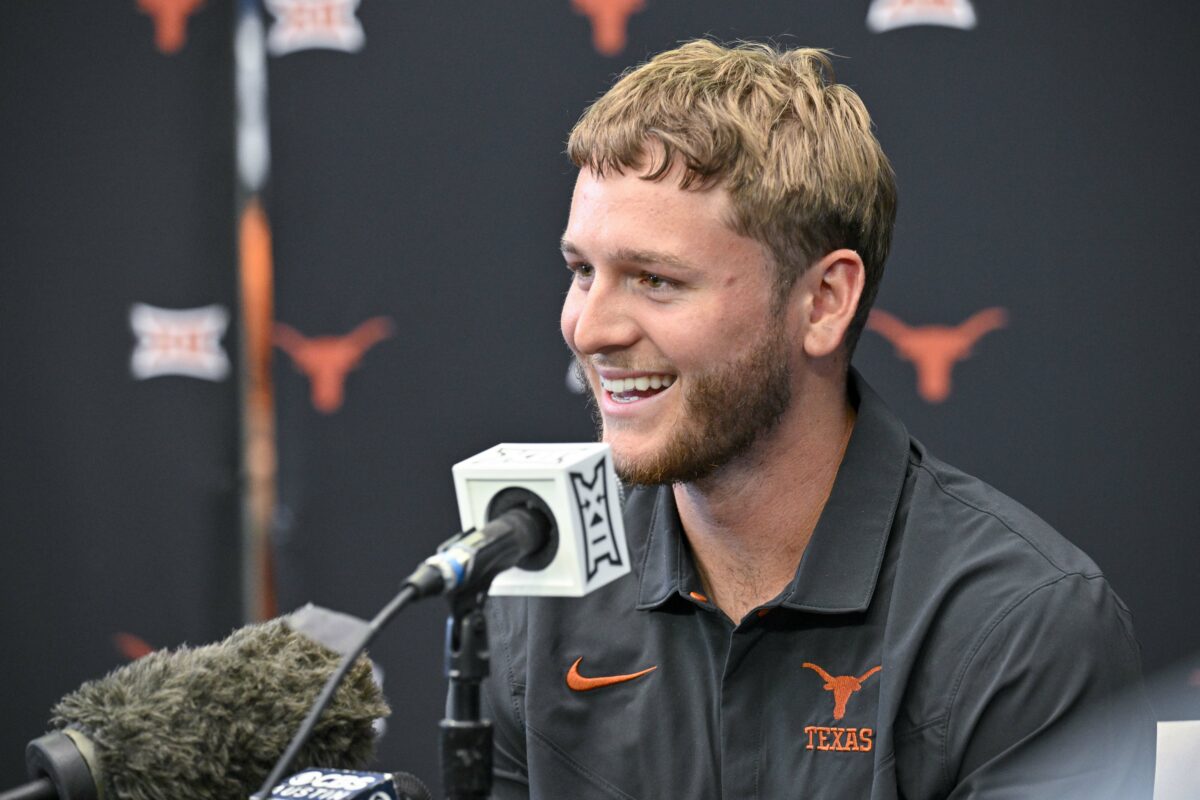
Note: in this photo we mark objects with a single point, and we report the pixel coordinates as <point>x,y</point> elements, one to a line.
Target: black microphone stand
<point>466,738</point>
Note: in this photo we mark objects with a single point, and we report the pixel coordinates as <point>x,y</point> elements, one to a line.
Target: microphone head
<point>209,722</point>
<point>541,519</point>
<point>572,485</point>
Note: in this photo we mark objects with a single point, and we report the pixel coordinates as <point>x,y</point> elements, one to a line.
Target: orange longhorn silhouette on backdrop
<point>842,686</point>
<point>935,349</point>
<point>131,646</point>
<point>328,359</point>
<point>610,21</point>
<point>170,21</point>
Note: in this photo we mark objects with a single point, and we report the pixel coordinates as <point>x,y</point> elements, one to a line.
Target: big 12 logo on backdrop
<point>886,15</point>
<point>312,24</point>
<point>179,342</point>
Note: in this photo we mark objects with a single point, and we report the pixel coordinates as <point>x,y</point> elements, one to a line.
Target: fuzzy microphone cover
<point>208,723</point>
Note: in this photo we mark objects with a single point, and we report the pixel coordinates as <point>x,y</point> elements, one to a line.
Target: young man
<point>818,607</point>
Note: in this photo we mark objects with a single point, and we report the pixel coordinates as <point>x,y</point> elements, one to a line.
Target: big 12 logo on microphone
<point>579,486</point>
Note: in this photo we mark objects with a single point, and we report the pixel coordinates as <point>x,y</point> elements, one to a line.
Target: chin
<point>635,465</point>
<point>622,453</point>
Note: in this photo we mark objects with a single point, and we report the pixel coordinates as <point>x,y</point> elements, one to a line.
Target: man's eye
<point>656,281</point>
<point>581,271</point>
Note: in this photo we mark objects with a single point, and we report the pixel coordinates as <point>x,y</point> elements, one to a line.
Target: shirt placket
<point>740,717</point>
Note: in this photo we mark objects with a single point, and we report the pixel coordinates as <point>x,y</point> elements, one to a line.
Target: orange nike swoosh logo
<point>579,683</point>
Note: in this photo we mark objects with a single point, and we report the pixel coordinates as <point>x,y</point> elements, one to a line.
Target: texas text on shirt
<point>938,641</point>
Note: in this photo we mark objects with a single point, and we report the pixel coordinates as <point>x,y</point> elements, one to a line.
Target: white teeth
<point>641,384</point>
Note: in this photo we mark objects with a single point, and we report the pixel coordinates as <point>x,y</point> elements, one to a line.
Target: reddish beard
<point>725,411</point>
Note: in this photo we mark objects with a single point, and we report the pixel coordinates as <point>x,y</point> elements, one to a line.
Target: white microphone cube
<point>578,483</point>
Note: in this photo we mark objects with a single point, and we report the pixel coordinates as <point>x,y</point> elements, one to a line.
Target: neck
<point>749,524</point>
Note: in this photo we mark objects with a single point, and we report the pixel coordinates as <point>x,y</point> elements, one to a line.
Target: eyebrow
<point>633,256</point>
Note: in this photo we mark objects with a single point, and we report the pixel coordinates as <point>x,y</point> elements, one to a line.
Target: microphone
<point>539,519</point>
<point>470,560</point>
<point>204,723</point>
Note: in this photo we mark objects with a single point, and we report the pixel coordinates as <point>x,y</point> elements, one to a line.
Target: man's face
<point>671,318</point>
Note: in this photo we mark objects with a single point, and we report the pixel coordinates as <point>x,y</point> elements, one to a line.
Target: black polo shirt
<point>938,641</point>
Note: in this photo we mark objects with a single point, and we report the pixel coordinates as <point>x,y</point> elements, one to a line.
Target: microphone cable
<point>406,595</point>
<point>466,562</point>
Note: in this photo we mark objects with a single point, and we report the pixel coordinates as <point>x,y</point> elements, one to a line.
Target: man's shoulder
<point>967,519</point>
<point>985,596</point>
<point>980,569</point>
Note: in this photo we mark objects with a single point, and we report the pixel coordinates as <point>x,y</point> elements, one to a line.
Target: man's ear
<point>834,285</point>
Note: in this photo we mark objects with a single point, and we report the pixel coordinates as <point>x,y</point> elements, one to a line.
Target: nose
<point>598,320</point>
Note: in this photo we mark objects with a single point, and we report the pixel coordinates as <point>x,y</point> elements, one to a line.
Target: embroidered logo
<point>886,15</point>
<point>179,342</point>
<point>170,21</point>
<point>842,686</point>
<point>328,359</point>
<point>309,24</point>
<point>610,22</point>
<point>857,740</point>
<point>599,538</point>
<point>935,349</point>
<point>578,683</point>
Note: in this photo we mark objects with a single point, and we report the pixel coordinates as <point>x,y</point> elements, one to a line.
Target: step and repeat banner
<point>119,511</point>
<point>1035,327</point>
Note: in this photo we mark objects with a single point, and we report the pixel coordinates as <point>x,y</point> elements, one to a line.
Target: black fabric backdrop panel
<point>119,496</point>
<point>1045,168</point>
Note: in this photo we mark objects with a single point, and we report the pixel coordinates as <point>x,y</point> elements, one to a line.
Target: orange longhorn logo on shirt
<point>935,349</point>
<point>170,21</point>
<point>842,686</point>
<point>610,21</point>
<point>328,359</point>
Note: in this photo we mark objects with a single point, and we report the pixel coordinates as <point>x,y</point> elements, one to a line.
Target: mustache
<point>615,362</point>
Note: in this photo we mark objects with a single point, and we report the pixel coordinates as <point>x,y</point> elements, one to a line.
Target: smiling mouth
<point>630,390</point>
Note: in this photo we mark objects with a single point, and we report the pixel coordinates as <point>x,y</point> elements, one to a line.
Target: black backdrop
<point>1046,164</point>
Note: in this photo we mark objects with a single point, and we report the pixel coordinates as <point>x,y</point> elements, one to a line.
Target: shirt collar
<point>841,564</point>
